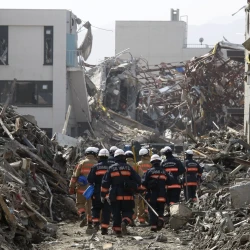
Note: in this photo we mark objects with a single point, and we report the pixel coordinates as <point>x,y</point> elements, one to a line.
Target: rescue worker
<point>95,178</point>
<point>78,184</point>
<point>155,180</point>
<point>130,160</point>
<point>111,154</point>
<point>144,165</point>
<point>193,176</point>
<point>120,181</point>
<point>176,168</point>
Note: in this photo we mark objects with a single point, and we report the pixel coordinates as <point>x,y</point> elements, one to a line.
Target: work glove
<point>71,190</point>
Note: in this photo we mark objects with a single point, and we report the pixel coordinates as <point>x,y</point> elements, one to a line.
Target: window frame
<point>7,39</point>
<point>37,83</point>
<point>51,28</point>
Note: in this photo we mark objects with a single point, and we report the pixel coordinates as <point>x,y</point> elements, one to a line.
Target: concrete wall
<point>45,117</point>
<point>26,52</point>
<point>156,41</point>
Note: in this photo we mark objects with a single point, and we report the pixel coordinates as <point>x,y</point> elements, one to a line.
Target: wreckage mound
<point>32,184</point>
<point>220,218</point>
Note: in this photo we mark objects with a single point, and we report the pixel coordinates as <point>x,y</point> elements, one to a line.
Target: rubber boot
<point>97,226</point>
<point>104,231</point>
<point>160,224</point>
<point>124,228</point>
<point>83,220</point>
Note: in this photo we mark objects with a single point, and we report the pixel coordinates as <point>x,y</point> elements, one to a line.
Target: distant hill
<point>231,28</point>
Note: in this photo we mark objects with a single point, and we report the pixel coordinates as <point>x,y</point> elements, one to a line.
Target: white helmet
<point>155,158</point>
<point>129,153</point>
<point>103,152</point>
<point>113,149</point>
<point>91,151</point>
<point>96,149</point>
<point>166,149</point>
<point>119,152</point>
<point>189,152</point>
<point>143,151</point>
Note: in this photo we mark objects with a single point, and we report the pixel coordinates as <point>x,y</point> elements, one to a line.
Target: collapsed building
<point>202,93</point>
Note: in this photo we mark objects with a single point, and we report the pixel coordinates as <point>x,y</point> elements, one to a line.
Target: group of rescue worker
<point>127,190</point>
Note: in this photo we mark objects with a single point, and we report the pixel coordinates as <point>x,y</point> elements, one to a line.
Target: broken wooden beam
<point>242,162</point>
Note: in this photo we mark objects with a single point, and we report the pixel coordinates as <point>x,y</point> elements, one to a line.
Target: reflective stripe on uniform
<point>192,169</point>
<point>81,210</point>
<point>104,189</point>
<point>157,176</point>
<point>104,225</point>
<point>141,187</point>
<point>190,184</point>
<point>173,186</point>
<point>85,171</point>
<point>100,172</point>
<point>142,220</point>
<point>124,198</point>
<point>117,229</point>
<point>161,199</point>
<point>73,179</point>
<point>126,218</point>
<point>123,173</point>
<point>85,168</point>
<point>79,191</point>
<point>171,169</point>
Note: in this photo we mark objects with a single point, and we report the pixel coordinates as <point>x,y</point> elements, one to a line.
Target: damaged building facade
<point>206,92</point>
<point>43,56</point>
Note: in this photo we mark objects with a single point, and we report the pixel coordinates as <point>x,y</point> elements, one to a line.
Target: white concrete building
<point>157,41</point>
<point>39,49</point>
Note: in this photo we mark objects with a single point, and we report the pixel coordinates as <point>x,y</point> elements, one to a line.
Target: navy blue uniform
<point>111,160</point>
<point>122,200</point>
<point>193,172</point>
<point>176,168</point>
<point>95,178</point>
<point>155,180</point>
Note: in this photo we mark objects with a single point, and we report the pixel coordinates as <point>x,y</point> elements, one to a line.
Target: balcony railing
<point>74,59</point>
<point>198,46</point>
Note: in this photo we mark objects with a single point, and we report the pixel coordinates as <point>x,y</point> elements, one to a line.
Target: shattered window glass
<point>48,45</point>
<point>3,45</point>
<point>28,93</point>
<point>44,93</point>
<point>25,94</point>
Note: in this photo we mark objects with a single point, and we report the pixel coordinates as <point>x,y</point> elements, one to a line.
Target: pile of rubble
<point>33,186</point>
<point>221,217</point>
<point>204,90</point>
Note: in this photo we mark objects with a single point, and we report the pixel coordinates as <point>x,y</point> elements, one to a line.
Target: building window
<point>48,45</point>
<point>29,93</point>
<point>4,45</point>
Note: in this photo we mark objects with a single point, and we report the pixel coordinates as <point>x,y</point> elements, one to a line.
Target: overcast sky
<point>101,12</point>
<point>104,13</point>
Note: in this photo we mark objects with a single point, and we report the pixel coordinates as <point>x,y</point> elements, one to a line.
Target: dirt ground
<point>71,236</point>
